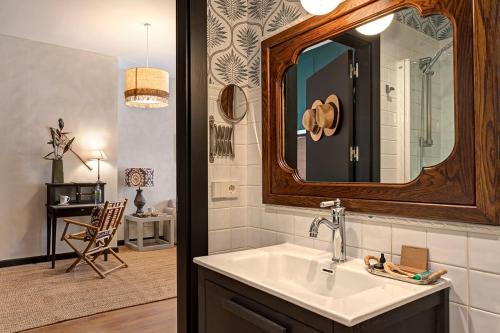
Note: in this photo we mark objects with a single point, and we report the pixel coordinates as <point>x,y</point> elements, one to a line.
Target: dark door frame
<point>367,54</point>
<point>192,171</point>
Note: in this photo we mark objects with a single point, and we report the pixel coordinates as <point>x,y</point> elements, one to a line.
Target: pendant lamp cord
<point>147,25</point>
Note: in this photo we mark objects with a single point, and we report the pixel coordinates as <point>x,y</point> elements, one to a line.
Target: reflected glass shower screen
<point>434,107</point>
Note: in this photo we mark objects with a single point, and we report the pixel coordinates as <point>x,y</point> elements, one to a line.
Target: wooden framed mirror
<point>412,83</point>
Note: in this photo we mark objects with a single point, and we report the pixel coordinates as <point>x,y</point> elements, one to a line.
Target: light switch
<point>226,189</point>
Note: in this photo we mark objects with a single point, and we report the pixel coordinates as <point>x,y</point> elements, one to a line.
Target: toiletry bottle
<point>381,262</point>
<point>97,195</point>
<point>382,259</point>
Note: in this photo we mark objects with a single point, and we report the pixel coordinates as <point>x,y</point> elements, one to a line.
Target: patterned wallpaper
<point>436,26</point>
<point>236,27</point>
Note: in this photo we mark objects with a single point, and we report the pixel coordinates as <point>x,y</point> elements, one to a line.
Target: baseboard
<point>122,241</point>
<point>39,259</point>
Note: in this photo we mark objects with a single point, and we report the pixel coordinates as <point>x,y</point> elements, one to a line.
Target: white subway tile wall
<point>229,220</point>
<point>484,291</point>
<point>397,43</point>
<point>377,237</point>
<point>402,235</point>
<point>483,322</point>
<point>459,321</point>
<point>470,253</point>
<point>479,248</point>
<point>447,247</point>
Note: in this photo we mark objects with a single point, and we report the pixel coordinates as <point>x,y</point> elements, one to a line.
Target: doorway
<point>348,66</point>
<point>66,67</point>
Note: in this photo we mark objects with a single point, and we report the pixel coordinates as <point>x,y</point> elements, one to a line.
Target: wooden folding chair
<point>98,236</point>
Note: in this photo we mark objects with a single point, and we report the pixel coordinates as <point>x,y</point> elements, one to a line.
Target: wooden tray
<point>400,278</point>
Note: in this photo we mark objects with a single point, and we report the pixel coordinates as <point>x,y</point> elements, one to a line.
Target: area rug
<point>34,295</point>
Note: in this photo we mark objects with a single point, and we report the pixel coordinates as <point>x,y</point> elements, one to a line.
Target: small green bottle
<point>98,195</point>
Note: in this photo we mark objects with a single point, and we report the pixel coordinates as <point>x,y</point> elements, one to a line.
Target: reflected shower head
<point>427,62</point>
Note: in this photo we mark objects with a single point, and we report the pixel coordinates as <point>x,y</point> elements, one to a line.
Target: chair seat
<point>83,236</point>
<point>79,235</point>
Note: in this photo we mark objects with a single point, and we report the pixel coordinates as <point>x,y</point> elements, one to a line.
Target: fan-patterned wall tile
<point>232,10</point>
<point>217,32</point>
<point>229,68</point>
<point>247,40</point>
<point>235,30</point>
<point>254,73</point>
<point>283,17</point>
<point>259,10</point>
<point>436,26</point>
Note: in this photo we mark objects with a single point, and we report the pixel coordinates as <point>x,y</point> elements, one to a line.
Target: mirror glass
<point>233,103</point>
<point>374,104</point>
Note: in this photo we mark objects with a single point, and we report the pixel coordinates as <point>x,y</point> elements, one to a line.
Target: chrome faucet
<point>337,224</point>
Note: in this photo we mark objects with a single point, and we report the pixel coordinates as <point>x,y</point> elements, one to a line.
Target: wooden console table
<point>81,204</point>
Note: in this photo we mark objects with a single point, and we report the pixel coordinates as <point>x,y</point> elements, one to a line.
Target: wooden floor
<point>158,317</point>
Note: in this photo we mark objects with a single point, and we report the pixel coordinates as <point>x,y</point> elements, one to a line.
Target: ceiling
<point>111,27</point>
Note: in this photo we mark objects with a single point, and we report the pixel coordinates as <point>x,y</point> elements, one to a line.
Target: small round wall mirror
<point>233,103</point>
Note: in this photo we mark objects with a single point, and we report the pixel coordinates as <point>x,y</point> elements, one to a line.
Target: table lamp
<point>139,177</point>
<point>98,155</point>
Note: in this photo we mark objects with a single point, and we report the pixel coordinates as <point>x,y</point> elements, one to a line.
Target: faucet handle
<point>327,204</point>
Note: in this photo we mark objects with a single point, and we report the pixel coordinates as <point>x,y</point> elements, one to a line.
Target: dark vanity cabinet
<point>226,305</point>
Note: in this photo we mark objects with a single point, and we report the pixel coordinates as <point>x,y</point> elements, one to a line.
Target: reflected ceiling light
<point>377,26</point>
<point>145,87</point>
<point>319,7</point>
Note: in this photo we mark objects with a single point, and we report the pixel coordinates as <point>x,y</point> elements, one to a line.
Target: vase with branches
<point>61,143</point>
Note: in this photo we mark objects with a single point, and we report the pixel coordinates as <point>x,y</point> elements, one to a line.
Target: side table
<point>156,243</point>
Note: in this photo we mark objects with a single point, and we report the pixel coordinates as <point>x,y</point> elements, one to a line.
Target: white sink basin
<point>345,293</point>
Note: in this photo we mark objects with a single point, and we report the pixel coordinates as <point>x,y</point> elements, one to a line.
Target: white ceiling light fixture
<point>145,87</point>
<point>377,26</point>
<point>319,7</point>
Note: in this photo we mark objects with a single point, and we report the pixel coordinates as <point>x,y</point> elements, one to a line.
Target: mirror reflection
<point>375,104</point>
<point>232,103</point>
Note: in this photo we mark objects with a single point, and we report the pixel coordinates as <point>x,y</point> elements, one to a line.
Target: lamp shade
<point>97,154</point>
<point>319,7</point>
<point>377,26</point>
<point>139,177</point>
<point>146,88</point>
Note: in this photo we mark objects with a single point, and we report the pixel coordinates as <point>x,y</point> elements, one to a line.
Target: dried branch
<point>81,159</point>
<point>61,144</point>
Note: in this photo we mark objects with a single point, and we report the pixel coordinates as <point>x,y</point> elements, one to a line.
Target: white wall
<point>146,138</point>
<point>469,252</point>
<point>41,83</point>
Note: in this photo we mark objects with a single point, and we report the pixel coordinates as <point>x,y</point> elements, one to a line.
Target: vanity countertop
<point>345,293</point>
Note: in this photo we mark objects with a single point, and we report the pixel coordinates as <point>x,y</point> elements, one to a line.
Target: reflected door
<point>329,158</point>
